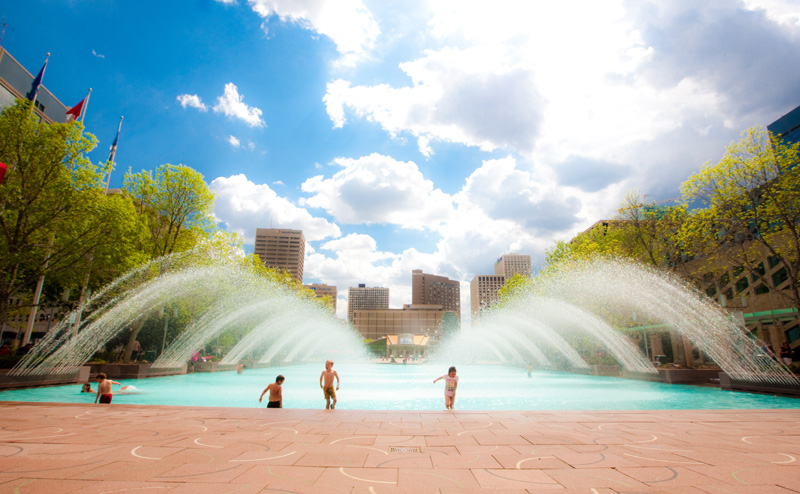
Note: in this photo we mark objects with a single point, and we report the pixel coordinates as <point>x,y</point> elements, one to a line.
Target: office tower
<point>323,290</point>
<point>282,249</point>
<point>511,264</point>
<point>429,289</point>
<point>362,297</point>
<point>483,292</point>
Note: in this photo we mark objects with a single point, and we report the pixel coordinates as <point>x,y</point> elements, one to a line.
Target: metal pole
<point>36,296</point>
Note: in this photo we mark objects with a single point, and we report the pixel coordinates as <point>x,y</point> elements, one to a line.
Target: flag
<point>75,111</point>
<point>37,81</point>
<point>114,144</point>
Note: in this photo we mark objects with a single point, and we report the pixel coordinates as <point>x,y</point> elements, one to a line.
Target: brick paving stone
<point>90,449</point>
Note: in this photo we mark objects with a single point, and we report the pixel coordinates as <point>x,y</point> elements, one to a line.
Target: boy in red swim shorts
<point>104,388</point>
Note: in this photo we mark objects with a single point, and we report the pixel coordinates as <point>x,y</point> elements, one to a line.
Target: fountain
<point>553,324</point>
<point>587,300</point>
<point>222,296</point>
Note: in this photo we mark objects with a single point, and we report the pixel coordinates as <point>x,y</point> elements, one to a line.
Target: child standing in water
<point>327,386</point>
<point>104,388</point>
<point>450,385</point>
<point>275,393</point>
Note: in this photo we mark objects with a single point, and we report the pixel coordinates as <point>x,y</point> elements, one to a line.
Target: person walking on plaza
<point>275,393</point>
<point>450,385</point>
<point>326,383</point>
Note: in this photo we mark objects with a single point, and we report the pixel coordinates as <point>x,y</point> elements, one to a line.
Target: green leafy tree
<point>52,207</point>
<point>176,204</point>
<point>751,210</point>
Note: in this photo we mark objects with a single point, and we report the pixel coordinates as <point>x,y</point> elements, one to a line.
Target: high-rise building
<point>363,297</point>
<point>282,249</point>
<point>510,264</point>
<point>323,290</point>
<point>483,292</point>
<point>429,289</point>
<point>15,82</point>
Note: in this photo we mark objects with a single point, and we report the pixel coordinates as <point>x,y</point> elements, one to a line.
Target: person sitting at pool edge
<point>275,393</point>
<point>104,388</point>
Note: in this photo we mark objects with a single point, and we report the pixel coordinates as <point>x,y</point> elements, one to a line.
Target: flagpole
<point>85,105</point>
<point>113,153</point>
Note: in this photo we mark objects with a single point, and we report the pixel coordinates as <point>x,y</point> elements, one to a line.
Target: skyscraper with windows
<point>427,289</point>
<point>363,297</point>
<point>282,249</point>
<point>510,264</point>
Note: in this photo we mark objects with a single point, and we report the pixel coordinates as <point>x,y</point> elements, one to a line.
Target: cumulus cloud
<point>244,206</point>
<point>231,105</point>
<point>348,23</point>
<point>379,189</point>
<point>475,96</point>
<point>191,100</point>
<point>234,141</point>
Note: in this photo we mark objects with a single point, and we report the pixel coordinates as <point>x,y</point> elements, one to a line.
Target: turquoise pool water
<point>410,387</point>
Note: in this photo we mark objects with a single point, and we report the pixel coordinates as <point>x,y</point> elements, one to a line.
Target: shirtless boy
<point>104,388</point>
<point>327,386</point>
<point>275,393</point>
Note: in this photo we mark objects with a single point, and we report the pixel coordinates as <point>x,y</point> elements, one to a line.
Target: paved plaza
<point>76,448</point>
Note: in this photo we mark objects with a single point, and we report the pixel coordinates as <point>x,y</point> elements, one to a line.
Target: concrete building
<point>15,82</point>
<point>439,290</point>
<point>374,324</point>
<point>483,292</point>
<point>323,290</point>
<point>282,249</point>
<point>510,264</point>
<point>363,297</point>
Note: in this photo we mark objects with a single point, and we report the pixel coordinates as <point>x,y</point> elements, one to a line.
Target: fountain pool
<point>369,386</point>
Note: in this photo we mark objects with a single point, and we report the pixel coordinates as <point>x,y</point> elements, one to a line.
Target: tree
<point>177,205</point>
<point>51,202</point>
<point>650,231</point>
<point>751,210</point>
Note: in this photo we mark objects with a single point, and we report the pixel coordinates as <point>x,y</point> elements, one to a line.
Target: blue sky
<point>417,135</point>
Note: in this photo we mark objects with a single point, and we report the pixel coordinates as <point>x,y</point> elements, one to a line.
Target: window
<point>779,277</point>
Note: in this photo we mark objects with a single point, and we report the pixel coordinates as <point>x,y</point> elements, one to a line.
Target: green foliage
<point>514,287</point>
<point>176,205</point>
<point>751,200</point>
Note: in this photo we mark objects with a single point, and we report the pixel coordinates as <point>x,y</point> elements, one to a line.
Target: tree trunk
<point>137,326</point>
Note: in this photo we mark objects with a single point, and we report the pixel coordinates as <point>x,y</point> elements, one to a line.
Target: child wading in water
<point>450,385</point>
<point>327,387</point>
<point>275,393</point>
<point>104,388</point>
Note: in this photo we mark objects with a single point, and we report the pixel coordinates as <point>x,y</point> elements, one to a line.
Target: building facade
<point>374,324</point>
<point>282,249</point>
<point>366,298</point>
<point>429,289</point>
<point>483,292</point>
<point>510,264</point>
<point>15,82</point>
<point>322,290</point>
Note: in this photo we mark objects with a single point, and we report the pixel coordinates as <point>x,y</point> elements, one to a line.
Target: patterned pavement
<point>77,448</point>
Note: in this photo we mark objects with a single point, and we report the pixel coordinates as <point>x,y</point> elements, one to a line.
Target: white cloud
<point>191,100</point>
<point>780,11</point>
<point>228,2</point>
<point>476,96</point>
<point>230,104</point>
<point>244,206</point>
<point>97,54</point>
<point>379,189</point>
<point>234,141</point>
<point>348,23</point>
